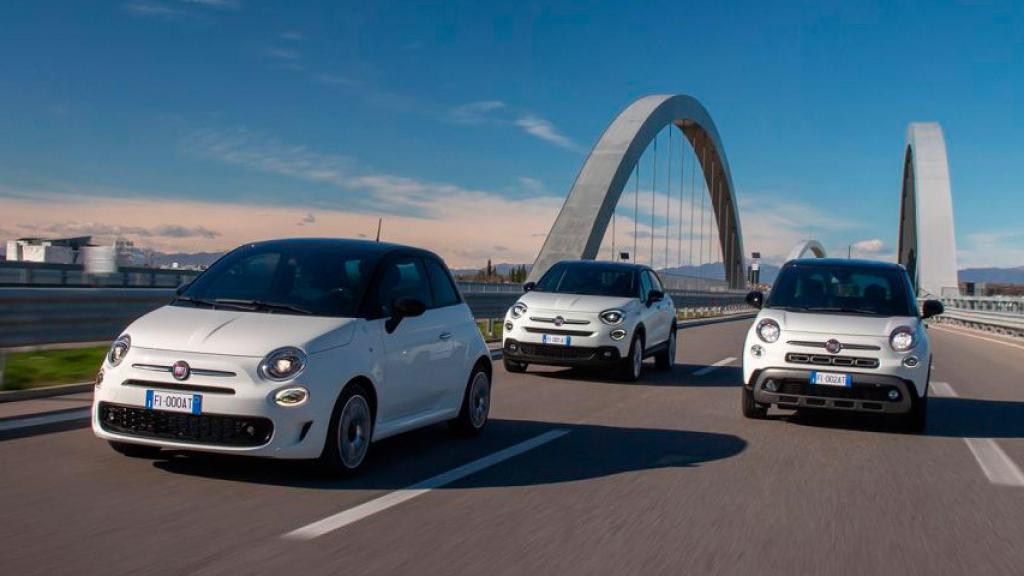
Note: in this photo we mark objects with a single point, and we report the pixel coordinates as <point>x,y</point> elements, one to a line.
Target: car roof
<point>366,247</point>
<point>607,264</point>
<point>844,262</point>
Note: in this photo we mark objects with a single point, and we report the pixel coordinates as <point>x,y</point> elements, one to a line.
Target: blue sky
<point>326,109</point>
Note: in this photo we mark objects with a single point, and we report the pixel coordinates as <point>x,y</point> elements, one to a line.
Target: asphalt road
<point>658,477</point>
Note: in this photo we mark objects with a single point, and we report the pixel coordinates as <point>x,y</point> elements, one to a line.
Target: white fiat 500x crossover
<point>592,314</point>
<point>839,335</point>
<point>310,348</point>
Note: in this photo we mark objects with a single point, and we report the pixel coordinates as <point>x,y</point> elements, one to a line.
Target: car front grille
<point>557,352</point>
<point>558,332</point>
<point>803,388</point>
<point>826,360</point>
<point>212,429</point>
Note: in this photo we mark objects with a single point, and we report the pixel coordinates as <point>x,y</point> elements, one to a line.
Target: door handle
<point>445,336</point>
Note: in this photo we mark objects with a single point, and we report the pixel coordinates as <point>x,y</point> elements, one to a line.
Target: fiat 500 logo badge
<point>833,346</point>
<point>559,320</point>
<point>180,370</point>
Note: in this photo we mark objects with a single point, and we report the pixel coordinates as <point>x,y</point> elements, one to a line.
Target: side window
<point>441,285</point>
<point>645,285</point>
<point>656,282</point>
<point>403,277</point>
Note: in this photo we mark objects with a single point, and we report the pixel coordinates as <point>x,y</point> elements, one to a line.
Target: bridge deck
<point>663,476</point>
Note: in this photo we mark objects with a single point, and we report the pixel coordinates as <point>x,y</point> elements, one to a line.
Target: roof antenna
<point>380,221</point>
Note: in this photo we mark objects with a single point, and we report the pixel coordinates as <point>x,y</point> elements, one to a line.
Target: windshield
<point>843,289</point>
<point>590,278</point>
<point>296,278</point>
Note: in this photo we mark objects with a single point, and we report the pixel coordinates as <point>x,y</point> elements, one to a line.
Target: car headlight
<point>283,364</point>
<point>768,330</point>
<point>119,349</point>
<point>902,339</point>
<point>518,310</point>
<point>613,317</point>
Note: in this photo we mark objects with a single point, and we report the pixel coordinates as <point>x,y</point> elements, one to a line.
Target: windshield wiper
<point>260,304</point>
<point>790,308</point>
<point>845,309</point>
<point>195,301</point>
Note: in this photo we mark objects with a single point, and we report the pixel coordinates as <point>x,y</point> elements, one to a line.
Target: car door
<point>459,332</point>
<point>665,310</point>
<point>647,311</point>
<point>412,350</point>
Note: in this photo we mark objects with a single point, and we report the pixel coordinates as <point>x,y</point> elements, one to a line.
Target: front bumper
<point>555,355</point>
<point>868,393</point>
<point>239,415</point>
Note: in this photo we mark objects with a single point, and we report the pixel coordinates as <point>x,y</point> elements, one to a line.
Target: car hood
<point>236,333</point>
<point>838,324</point>
<point>572,302</point>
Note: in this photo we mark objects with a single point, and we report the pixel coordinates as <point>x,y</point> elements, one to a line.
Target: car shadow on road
<point>585,452</point>
<point>947,417</point>
<point>680,375</point>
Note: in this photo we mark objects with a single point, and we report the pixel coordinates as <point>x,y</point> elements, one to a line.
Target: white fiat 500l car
<point>310,348</point>
<point>591,313</point>
<point>840,335</point>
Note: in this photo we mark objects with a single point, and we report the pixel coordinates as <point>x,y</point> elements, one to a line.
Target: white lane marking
<point>19,423</point>
<point>978,336</point>
<point>346,517</point>
<point>1000,470</point>
<point>943,389</point>
<point>996,465</point>
<point>709,369</point>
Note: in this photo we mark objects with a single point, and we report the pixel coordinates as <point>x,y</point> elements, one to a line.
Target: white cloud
<point>278,53</point>
<point>309,218</point>
<point>999,248</point>
<point>475,113</point>
<point>872,246</point>
<point>292,35</point>
<point>536,126</point>
<point>151,9</point>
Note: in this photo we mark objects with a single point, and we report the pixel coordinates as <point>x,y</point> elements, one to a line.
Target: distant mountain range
<point>994,275</point>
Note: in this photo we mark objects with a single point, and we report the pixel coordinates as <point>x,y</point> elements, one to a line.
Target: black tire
<point>916,421</point>
<point>629,369</point>
<point>345,449</point>
<point>752,409</point>
<point>476,403</point>
<point>135,450</point>
<point>666,359</point>
<point>513,366</point>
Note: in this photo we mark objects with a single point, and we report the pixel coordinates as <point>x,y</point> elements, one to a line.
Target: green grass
<point>37,369</point>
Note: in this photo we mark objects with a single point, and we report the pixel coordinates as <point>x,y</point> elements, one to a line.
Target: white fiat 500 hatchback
<point>592,314</point>
<point>310,348</point>
<point>839,335</point>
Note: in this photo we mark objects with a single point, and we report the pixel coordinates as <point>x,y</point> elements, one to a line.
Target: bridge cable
<point>654,185</point>
<point>693,200</point>
<point>668,197</point>
<point>682,184</point>
<point>700,250</point>
<point>636,204</point>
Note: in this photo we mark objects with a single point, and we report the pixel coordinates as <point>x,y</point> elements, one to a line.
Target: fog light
<point>607,354</point>
<point>771,385</point>
<point>508,326</point>
<point>99,378</point>
<point>618,334</point>
<point>291,397</point>
<point>911,361</point>
<point>894,395</point>
<point>756,351</point>
<point>512,347</point>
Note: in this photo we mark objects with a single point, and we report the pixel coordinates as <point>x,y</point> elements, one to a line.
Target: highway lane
<point>662,476</point>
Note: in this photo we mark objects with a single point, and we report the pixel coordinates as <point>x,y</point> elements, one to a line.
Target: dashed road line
<point>997,466</point>
<point>709,369</point>
<point>392,499</point>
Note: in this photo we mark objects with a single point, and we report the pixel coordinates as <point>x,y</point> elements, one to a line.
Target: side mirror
<point>182,287</point>
<point>932,308</point>
<point>655,296</point>
<point>404,308</point>
<point>755,298</point>
<point>529,286</point>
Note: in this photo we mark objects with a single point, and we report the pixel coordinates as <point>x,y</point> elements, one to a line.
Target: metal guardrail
<point>999,314</point>
<point>43,316</point>
<point>46,274</point>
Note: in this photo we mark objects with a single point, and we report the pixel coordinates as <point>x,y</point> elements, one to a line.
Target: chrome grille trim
<point>814,344</point>
<point>193,371</point>
<point>551,320</point>
<point>825,360</point>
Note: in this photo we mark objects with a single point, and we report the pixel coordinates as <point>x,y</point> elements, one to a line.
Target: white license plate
<point>556,339</point>
<point>831,379</point>
<point>172,402</point>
